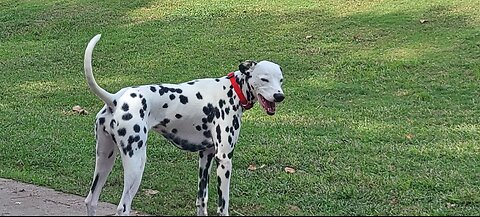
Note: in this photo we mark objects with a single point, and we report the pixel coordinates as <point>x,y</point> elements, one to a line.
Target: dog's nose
<point>278,97</point>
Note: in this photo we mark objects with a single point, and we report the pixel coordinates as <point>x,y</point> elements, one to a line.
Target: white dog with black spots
<point>202,115</point>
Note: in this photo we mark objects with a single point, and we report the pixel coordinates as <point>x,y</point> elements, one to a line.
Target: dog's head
<point>266,80</point>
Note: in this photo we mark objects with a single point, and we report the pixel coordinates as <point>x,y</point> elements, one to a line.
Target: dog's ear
<point>247,66</point>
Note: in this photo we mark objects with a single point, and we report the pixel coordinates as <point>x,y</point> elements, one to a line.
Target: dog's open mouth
<point>268,106</point>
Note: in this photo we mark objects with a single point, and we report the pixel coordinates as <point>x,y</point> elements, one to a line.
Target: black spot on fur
<point>174,130</point>
<point>112,123</point>
<point>172,97</point>
<point>221,201</point>
<point>136,128</point>
<point>178,116</point>
<point>133,95</point>
<point>153,89</point>
<point>209,111</point>
<point>227,110</point>
<point>230,155</point>
<point>164,122</point>
<point>131,140</point>
<point>165,105</point>
<point>219,134</point>
<point>113,138</point>
<point>207,134</point>
<point>125,107</point>
<point>115,102</point>
<point>101,120</point>
<point>144,103</point>
<point>179,90</point>
<point>217,112</point>
<point>124,208</point>
<point>221,103</point>
<point>94,185</point>
<point>142,113</point>
<point>110,155</point>
<point>235,122</point>
<point>144,130</point>
<point>183,99</point>
<point>122,132</point>
<point>230,93</point>
<point>217,80</point>
<point>198,127</point>
<point>140,143</point>
<point>127,116</point>
<point>199,96</point>
<point>227,174</point>
<point>191,83</point>
<point>231,101</point>
<point>161,91</point>
<point>104,110</point>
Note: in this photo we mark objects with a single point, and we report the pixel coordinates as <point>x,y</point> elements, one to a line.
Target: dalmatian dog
<point>202,116</point>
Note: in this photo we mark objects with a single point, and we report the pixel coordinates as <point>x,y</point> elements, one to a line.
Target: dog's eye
<point>264,79</point>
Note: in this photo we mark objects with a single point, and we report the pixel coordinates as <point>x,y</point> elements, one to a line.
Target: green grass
<point>381,115</point>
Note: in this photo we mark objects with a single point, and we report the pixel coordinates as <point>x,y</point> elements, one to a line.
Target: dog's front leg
<point>225,137</point>
<point>224,173</point>
<point>204,166</point>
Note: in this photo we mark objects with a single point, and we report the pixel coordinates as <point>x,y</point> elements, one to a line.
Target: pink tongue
<point>270,106</point>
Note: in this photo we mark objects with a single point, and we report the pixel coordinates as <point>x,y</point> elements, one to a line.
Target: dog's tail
<point>87,63</point>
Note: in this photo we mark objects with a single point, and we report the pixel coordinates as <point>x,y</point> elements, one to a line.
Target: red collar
<point>243,101</point>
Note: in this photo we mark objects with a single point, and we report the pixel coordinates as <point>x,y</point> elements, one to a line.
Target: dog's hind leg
<point>134,156</point>
<point>204,166</point>
<point>105,159</point>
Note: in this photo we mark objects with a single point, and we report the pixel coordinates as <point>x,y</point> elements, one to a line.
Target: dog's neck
<point>244,81</point>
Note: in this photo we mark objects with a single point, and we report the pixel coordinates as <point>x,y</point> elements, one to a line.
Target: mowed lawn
<point>381,115</point>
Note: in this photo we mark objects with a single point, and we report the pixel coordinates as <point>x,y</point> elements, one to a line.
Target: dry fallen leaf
<point>423,21</point>
<point>79,110</point>
<point>150,192</point>
<point>289,170</point>
<point>451,205</point>
<point>293,208</point>
<point>394,201</point>
<point>253,167</point>
<point>357,38</point>
<point>409,136</point>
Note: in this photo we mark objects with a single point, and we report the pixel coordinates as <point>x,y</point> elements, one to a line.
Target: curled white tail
<point>100,92</point>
